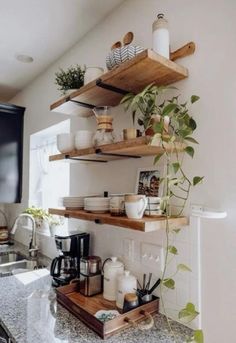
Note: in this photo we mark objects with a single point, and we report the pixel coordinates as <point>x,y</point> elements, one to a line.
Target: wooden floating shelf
<point>131,76</point>
<point>146,224</point>
<point>136,147</point>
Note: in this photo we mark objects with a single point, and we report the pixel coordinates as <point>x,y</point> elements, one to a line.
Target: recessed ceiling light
<point>24,58</point>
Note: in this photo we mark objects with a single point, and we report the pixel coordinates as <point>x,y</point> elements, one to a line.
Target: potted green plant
<point>145,104</point>
<point>70,79</point>
<point>176,184</point>
<point>42,217</point>
<point>176,188</point>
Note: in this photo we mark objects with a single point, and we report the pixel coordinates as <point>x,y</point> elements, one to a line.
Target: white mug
<point>135,210</point>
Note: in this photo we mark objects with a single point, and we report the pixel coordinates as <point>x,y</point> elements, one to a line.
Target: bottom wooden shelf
<point>145,224</point>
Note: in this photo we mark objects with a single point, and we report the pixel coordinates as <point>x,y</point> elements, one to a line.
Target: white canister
<point>112,268</point>
<point>92,73</point>
<point>160,36</point>
<point>126,283</point>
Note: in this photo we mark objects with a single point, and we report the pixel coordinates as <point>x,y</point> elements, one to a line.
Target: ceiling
<point>45,30</point>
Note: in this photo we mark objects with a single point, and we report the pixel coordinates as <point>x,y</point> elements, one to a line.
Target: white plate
<point>96,208</point>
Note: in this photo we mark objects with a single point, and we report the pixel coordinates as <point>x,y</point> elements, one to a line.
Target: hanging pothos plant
<point>176,183</point>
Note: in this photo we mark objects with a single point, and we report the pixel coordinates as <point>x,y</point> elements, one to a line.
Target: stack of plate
<point>97,204</point>
<point>153,207</point>
<point>74,203</point>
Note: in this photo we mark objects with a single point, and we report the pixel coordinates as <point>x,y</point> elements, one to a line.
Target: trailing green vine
<point>172,127</point>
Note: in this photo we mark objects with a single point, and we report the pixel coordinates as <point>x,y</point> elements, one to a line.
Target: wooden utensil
<point>186,50</point>
<point>116,45</point>
<point>128,38</point>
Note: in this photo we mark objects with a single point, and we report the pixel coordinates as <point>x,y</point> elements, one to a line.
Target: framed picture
<point>148,182</point>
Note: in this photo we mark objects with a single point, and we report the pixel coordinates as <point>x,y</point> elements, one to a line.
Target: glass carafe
<point>104,133</point>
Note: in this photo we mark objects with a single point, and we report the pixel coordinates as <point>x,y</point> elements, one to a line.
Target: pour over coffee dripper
<point>104,133</point>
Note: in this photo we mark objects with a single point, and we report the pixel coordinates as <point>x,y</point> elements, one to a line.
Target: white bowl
<point>84,139</point>
<point>65,142</point>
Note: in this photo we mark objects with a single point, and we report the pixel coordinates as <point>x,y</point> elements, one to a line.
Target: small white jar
<point>126,283</point>
<point>112,269</point>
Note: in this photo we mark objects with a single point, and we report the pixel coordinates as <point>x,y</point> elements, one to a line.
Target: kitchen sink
<point>11,256</point>
<point>14,262</point>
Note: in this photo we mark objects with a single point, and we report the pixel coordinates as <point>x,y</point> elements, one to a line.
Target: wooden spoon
<point>116,45</point>
<point>128,38</point>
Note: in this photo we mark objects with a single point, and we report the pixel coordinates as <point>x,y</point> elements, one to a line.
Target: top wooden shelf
<point>130,76</point>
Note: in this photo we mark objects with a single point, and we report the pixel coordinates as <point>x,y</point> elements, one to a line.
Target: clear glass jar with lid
<point>112,268</point>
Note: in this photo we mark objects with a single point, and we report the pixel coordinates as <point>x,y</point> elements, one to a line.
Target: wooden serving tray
<point>85,308</point>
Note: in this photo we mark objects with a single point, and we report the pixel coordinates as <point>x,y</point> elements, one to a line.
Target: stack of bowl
<point>65,142</point>
<point>83,139</point>
<point>97,204</point>
<point>153,207</point>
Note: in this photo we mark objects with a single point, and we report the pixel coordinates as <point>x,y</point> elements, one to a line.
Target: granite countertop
<point>30,314</point>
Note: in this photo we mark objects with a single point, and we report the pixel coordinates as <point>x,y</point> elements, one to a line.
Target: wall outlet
<point>128,249</point>
<point>152,255</point>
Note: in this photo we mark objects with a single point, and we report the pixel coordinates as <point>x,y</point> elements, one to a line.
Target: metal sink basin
<point>13,262</point>
<point>12,256</point>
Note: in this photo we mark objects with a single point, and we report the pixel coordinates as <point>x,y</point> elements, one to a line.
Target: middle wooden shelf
<point>146,224</point>
<point>133,148</point>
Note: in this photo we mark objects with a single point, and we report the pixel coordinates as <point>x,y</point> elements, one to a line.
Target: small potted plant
<point>42,217</point>
<point>70,79</point>
<point>54,222</point>
<point>145,104</point>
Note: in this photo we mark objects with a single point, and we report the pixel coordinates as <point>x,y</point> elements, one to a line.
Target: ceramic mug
<point>153,206</point>
<point>117,205</point>
<point>135,209</point>
<point>131,133</point>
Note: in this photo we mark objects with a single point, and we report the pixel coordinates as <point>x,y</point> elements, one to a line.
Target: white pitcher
<point>135,208</point>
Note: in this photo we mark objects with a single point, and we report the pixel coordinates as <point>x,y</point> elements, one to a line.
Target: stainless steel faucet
<point>33,248</point>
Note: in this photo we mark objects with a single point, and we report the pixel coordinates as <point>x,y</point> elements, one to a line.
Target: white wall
<point>211,25</point>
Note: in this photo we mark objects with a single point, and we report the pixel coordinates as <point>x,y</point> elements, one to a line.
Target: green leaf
<point>194,98</point>
<point>197,337</point>
<point>172,250</point>
<point>168,109</point>
<point>185,132</point>
<point>183,268</point>
<point>197,179</point>
<point>157,158</point>
<point>176,230</point>
<point>158,127</point>
<point>169,283</point>
<point>188,313</point>
<point>189,150</point>
<point>191,139</point>
<point>176,167</point>
<point>192,124</point>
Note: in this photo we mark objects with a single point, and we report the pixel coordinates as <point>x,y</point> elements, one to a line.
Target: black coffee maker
<point>66,266</point>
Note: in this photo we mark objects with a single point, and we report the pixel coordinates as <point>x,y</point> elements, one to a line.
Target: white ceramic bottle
<point>112,268</point>
<point>126,283</point>
<point>160,36</point>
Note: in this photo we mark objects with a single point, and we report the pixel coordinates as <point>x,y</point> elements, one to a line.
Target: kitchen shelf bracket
<point>80,103</point>
<point>97,221</point>
<point>67,157</point>
<point>100,152</point>
<point>111,88</point>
